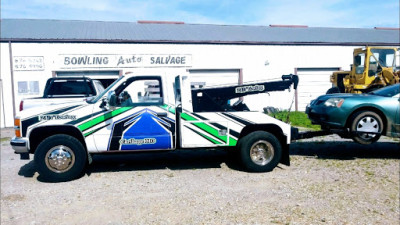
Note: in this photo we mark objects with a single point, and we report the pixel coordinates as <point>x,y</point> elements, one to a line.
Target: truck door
<point>143,125</point>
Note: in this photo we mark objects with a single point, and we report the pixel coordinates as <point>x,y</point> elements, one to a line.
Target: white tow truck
<point>151,113</point>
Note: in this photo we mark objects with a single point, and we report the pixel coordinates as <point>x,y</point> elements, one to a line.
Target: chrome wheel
<point>261,152</point>
<point>367,124</point>
<point>60,159</point>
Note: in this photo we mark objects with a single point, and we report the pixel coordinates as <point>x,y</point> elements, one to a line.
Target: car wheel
<point>60,158</point>
<point>260,151</point>
<point>366,127</point>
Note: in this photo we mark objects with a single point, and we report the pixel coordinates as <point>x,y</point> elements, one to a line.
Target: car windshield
<point>388,91</point>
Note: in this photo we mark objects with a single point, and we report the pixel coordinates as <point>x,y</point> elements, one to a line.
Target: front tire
<point>364,122</point>
<point>260,151</point>
<point>60,158</point>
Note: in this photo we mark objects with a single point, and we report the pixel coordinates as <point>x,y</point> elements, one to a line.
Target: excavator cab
<point>373,68</point>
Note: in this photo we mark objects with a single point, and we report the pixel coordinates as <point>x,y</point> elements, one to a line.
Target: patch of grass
<point>5,139</point>
<point>369,173</point>
<point>296,119</point>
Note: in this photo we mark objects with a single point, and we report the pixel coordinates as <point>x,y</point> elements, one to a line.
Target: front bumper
<point>324,116</point>
<point>20,145</point>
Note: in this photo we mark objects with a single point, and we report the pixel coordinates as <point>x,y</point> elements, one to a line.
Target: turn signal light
<point>17,127</point>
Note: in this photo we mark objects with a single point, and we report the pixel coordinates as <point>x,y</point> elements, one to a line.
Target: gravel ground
<point>330,181</point>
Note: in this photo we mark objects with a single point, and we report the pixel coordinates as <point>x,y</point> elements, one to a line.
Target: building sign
<point>124,61</point>
<point>28,63</point>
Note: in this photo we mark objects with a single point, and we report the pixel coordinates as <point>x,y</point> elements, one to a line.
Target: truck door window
<point>141,92</point>
<point>373,66</point>
<point>359,61</point>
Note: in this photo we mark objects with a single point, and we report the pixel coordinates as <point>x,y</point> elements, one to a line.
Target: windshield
<point>385,57</point>
<point>105,91</point>
<point>388,91</point>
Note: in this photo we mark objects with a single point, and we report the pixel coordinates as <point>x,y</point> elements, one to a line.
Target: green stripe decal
<point>203,126</point>
<point>208,129</point>
<point>89,133</point>
<point>206,137</point>
<point>170,109</point>
<point>212,140</point>
<point>232,142</point>
<point>102,118</point>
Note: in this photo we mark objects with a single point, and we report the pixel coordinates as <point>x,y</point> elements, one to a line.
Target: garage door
<point>313,83</point>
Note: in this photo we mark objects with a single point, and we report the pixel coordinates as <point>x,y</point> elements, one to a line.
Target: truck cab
<point>152,113</point>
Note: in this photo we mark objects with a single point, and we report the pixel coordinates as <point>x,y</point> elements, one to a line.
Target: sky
<point>314,13</point>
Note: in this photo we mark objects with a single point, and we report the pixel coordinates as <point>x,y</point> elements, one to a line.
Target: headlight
<point>334,102</point>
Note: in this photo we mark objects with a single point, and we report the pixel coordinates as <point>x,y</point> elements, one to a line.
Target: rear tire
<point>60,158</point>
<point>366,121</point>
<point>260,151</point>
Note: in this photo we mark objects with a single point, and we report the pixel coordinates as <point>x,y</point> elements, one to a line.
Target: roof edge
<point>106,41</point>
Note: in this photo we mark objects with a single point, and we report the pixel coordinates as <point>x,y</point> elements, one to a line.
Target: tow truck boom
<point>217,98</point>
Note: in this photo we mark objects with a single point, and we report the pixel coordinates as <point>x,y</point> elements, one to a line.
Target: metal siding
<point>63,30</point>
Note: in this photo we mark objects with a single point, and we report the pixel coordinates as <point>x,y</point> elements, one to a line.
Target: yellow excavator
<point>372,68</point>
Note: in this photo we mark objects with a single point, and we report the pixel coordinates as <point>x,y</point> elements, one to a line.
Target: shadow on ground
<point>174,160</point>
<point>346,150</point>
<point>205,159</point>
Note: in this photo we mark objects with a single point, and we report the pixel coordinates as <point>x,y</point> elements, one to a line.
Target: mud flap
<point>90,159</point>
<point>285,159</point>
<point>24,156</point>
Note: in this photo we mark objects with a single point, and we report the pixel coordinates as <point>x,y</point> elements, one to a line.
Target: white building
<point>34,50</point>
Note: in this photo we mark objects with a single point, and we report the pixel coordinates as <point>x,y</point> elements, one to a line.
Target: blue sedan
<point>362,117</point>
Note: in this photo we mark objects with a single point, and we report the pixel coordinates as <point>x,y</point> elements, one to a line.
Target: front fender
<point>38,134</point>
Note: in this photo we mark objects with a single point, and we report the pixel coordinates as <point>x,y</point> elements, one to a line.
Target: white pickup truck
<point>64,90</point>
<point>152,113</point>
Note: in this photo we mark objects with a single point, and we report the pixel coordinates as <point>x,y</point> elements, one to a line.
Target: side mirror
<point>89,99</point>
<point>112,98</point>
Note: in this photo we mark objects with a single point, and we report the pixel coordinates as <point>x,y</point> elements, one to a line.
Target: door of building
<point>313,83</point>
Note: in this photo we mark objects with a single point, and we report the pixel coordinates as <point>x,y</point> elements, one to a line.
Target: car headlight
<point>334,102</point>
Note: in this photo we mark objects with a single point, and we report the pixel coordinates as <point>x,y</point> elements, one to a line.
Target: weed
<point>297,119</point>
<point>369,173</point>
<point>5,139</point>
